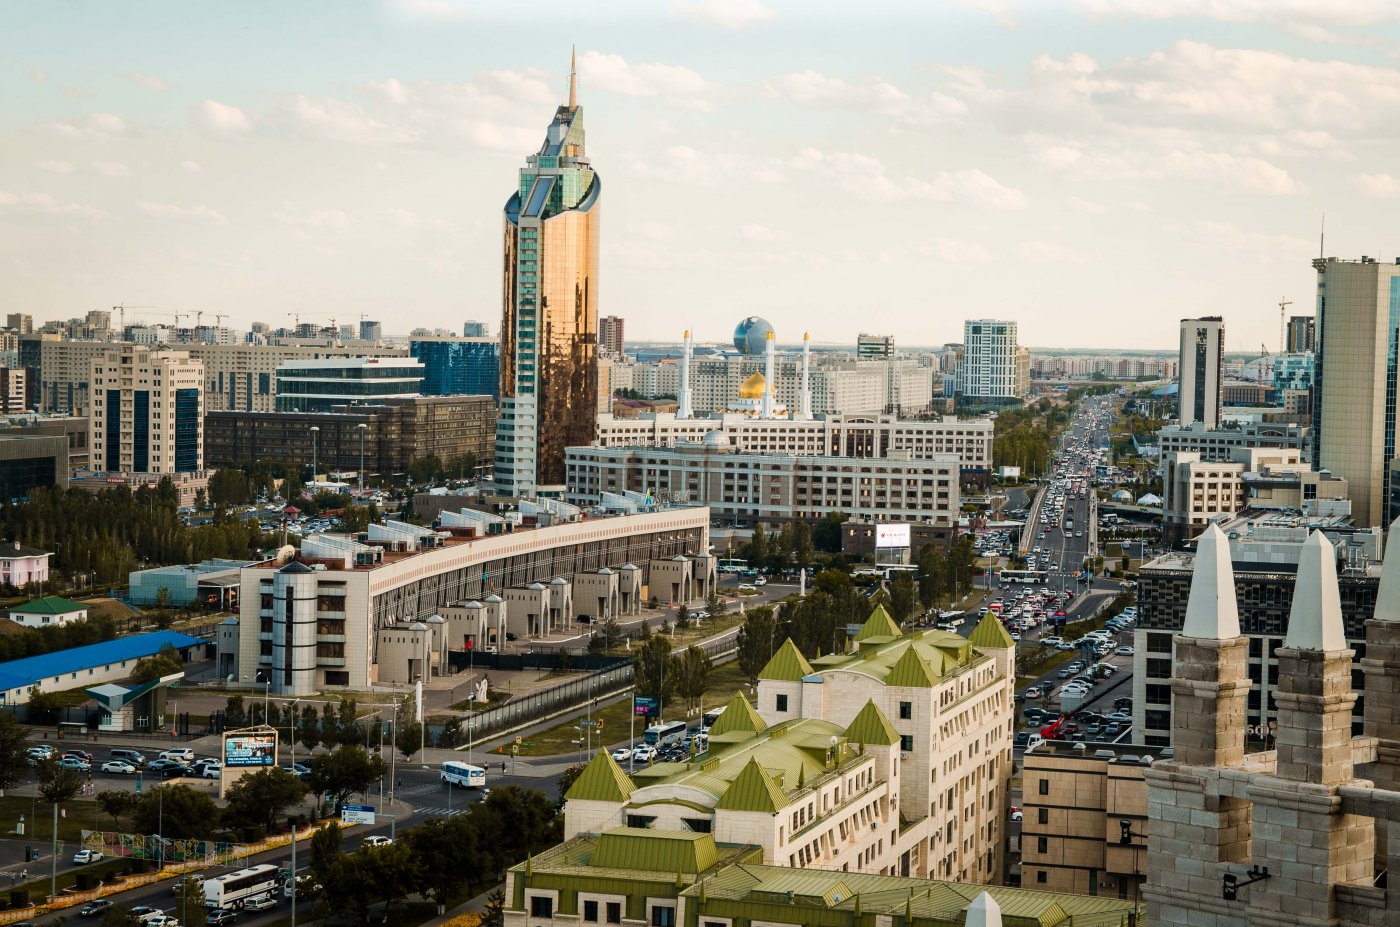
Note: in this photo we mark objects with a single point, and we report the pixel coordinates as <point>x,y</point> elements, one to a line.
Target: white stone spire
<point>683,405</point>
<point>983,912</point>
<point>1315,622</point>
<point>806,413</point>
<point>766,409</point>
<point>1211,610</point>
<point>1388,595</point>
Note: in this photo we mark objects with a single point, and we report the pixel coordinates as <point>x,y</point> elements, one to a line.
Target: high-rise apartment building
<point>147,412</point>
<point>1201,392</point>
<point>14,382</point>
<point>1355,379</point>
<point>371,331</point>
<point>874,346</point>
<point>21,322</point>
<point>610,335</point>
<point>549,326</point>
<point>1302,334</point>
<point>459,366</point>
<point>993,366</point>
<point>474,329</point>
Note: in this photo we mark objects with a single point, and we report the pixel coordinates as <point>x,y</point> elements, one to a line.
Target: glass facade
<point>459,368</point>
<point>318,386</point>
<point>20,475</point>
<point>186,430</point>
<point>113,463</point>
<point>141,431</point>
<point>549,324</point>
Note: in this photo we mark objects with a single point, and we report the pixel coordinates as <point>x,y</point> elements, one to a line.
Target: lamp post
<point>315,430</point>
<point>362,428</point>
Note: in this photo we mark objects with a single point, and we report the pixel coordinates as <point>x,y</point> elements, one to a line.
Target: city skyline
<point>348,160</point>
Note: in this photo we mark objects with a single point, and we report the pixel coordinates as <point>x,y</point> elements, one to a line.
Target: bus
<point>711,716</point>
<point>733,566</point>
<point>1030,577</point>
<point>666,732</point>
<point>232,890</point>
<point>471,777</point>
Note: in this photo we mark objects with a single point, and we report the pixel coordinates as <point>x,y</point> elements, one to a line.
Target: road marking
<point>439,812</point>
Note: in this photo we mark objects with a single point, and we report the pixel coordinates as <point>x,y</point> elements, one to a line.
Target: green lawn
<point>38,816</point>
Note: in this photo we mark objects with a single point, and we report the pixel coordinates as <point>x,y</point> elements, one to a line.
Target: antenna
<point>1322,239</point>
<point>1283,304</point>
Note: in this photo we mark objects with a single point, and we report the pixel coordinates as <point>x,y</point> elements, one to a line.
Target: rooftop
<point>29,670</point>
<point>50,605</point>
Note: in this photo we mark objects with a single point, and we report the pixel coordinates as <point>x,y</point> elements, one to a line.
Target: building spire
<point>1211,610</point>
<point>573,77</point>
<point>1388,596</point>
<point>1315,620</point>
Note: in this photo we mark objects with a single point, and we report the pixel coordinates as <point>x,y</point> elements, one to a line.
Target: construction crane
<point>1283,305</point>
<point>121,310</point>
<point>1267,364</point>
<point>219,319</point>
<point>199,318</point>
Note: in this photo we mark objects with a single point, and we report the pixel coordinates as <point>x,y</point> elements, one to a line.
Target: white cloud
<point>321,218</point>
<point>428,9</point>
<point>734,15</point>
<point>192,167</point>
<point>615,74</point>
<point>111,168</point>
<point>38,76</point>
<point>684,164</point>
<point>56,167</point>
<point>866,177</point>
<point>952,251</point>
<point>1252,175</point>
<point>221,119</point>
<point>1049,252</point>
<point>146,81</point>
<point>753,231</point>
<point>872,96</point>
<point>403,218</point>
<point>1233,244</point>
<point>94,126</point>
<point>1378,184</point>
<point>1083,205</point>
<point>343,122</point>
<point>47,205</point>
<point>200,213</point>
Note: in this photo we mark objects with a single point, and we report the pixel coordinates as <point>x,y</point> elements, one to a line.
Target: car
<point>80,754</point>
<point>75,763</point>
<point>210,770</point>
<point>158,765</point>
<point>95,908</point>
<point>144,913</point>
<point>220,916</point>
<point>1112,730</point>
<point>1121,717</point>
<point>643,753</point>
<point>162,920</point>
<point>1021,739</point>
<point>1124,651</point>
<point>622,753</point>
<point>377,840</point>
<point>1015,813</point>
<point>298,770</point>
<point>260,903</point>
<point>83,857</point>
<point>179,754</point>
<point>760,581</point>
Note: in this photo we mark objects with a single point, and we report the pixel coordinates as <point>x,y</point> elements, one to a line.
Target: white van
<point>1034,741</point>
<point>178,754</point>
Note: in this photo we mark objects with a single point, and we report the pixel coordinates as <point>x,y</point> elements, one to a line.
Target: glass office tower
<point>549,326</point>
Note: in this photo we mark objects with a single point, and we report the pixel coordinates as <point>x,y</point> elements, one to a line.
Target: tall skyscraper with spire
<point>549,326</point>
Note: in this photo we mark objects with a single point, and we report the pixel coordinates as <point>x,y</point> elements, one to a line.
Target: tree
<point>715,604</point>
<point>932,576</point>
<point>444,849</point>
<point>56,784</point>
<point>656,671</point>
<point>566,782</point>
<point>345,770</point>
<point>163,597</point>
<point>693,670</point>
<point>757,642</point>
<point>408,738</point>
<point>327,847</point>
<point>308,729</point>
<point>117,804</point>
<point>14,763</point>
<point>801,544</point>
<point>902,595</point>
<point>165,663</point>
<point>43,707</point>
<point>235,714</point>
<point>682,616</point>
<point>494,913</point>
<point>826,536</point>
<point>259,798</point>
<point>175,811</point>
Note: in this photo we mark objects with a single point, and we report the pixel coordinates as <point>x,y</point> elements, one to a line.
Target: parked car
<point>144,913</point>
<point>180,754</point>
<point>211,770</point>
<point>1015,813</point>
<point>378,840</point>
<point>1124,651</point>
<point>219,917</point>
<point>75,763</point>
<point>622,753</point>
<point>162,920</point>
<point>135,758</point>
<point>95,908</point>
<point>80,754</point>
<point>260,903</point>
<point>83,857</point>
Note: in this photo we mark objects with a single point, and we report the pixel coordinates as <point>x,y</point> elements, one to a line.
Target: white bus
<point>667,732</point>
<point>230,891</point>
<point>471,777</point>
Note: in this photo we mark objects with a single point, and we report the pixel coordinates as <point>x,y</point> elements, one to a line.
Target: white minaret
<point>683,406</point>
<point>806,413</point>
<point>766,410</point>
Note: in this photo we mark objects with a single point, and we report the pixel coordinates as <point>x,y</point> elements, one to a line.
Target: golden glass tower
<point>549,326</point>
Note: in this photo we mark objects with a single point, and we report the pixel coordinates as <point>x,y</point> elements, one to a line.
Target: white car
<point>622,753</point>
<point>644,753</point>
<point>120,767</point>
<point>377,840</point>
<point>83,857</point>
<point>1124,651</point>
<point>211,771</point>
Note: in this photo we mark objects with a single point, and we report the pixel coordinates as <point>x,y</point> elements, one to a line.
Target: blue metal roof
<point>28,670</point>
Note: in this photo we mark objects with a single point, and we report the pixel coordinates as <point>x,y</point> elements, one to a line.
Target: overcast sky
<point>1095,170</point>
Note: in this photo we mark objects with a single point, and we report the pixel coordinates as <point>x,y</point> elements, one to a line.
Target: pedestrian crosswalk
<point>440,812</point>
<point>421,789</point>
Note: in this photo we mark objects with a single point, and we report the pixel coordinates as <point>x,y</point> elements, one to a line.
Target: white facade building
<point>993,365</point>
<point>147,412</point>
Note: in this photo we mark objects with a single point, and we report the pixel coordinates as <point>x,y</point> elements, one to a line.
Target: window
<point>782,703</point>
<point>1044,815</point>
<point>906,710</point>
<point>614,912</point>
<point>541,906</point>
<point>1042,844</point>
<point>1040,877</point>
<point>590,912</point>
<point>906,743</point>
<point>1045,786</point>
<point>663,916</point>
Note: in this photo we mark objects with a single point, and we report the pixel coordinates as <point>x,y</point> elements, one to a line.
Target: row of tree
<point>1025,437</point>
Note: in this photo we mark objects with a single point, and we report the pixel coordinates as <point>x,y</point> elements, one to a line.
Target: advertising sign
<point>357,814</point>
<point>243,749</point>
<point>644,707</point>
<point>891,535</point>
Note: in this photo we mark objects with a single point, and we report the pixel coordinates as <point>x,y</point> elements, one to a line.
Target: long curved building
<point>549,326</point>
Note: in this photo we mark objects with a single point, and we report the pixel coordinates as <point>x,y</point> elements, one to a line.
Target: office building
<point>874,347</point>
<point>30,461</point>
<point>382,438</point>
<point>1303,833</point>
<point>473,329</point>
<point>749,489</point>
<point>1264,550</point>
<point>14,393</point>
<point>549,327</point>
<point>319,385</point>
<point>1302,335</point>
<point>610,336</point>
<point>459,366</point>
<point>1074,800</point>
<point>994,367</point>
<point>371,331</point>
<point>20,321</point>
<point>147,412</point>
<point>1356,378</point>
<point>73,430</point>
<point>1219,444</point>
<point>1201,392</point>
<point>314,623</point>
<point>1293,372</point>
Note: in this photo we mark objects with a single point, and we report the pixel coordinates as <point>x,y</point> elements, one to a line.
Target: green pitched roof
<point>787,665</point>
<point>989,634</point>
<point>879,624</point>
<point>738,715</point>
<point>49,605</point>
<point>601,780</point>
<point>913,670</point>
<point>870,726</point>
<point>655,850</point>
<point>753,790</point>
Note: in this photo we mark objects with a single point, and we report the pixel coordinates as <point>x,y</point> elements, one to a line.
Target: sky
<point>1094,169</point>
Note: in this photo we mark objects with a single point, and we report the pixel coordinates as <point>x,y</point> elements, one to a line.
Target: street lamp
<point>315,430</point>
<point>362,428</point>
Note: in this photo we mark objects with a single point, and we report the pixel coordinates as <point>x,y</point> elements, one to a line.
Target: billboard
<point>357,814</point>
<point>891,536</point>
<point>244,749</point>
<point>644,707</point>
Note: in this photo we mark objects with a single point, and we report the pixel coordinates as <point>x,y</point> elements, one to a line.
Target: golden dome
<point>753,387</point>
